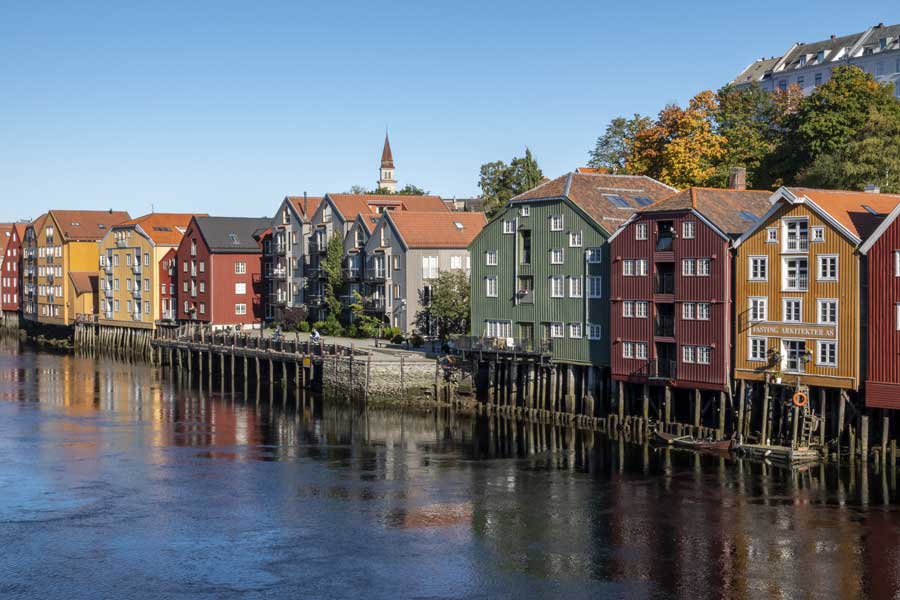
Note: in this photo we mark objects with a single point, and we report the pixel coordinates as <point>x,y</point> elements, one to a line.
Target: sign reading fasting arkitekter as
<point>794,330</point>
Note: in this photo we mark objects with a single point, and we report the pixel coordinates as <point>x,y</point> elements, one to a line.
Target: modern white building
<point>809,65</point>
<point>286,270</point>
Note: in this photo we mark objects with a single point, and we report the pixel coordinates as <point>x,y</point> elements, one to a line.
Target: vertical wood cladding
<point>846,290</point>
<point>883,364</point>
<point>713,289</point>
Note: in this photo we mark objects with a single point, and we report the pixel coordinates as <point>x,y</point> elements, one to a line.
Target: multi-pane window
<point>640,351</point>
<point>796,274</point>
<point>556,330</point>
<point>759,309</point>
<point>628,309</point>
<point>689,267</point>
<point>456,262</point>
<point>556,222</point>
<point>640,231</point>
<point>634,350</point>
<point>796,235</point>
<point>556,286</point>
<point>628,268</point>
<point>689,311</point>
<point>704,267</point>
<point>897,263</point>
<point>498,329</point>
<point>703,354</point>
<point>827,312</point>
<point>240,268</point>
<point>627,349</point>
<point>641,309</point>
<point>759,268</point>
<point>525,211</point>
<point>772,235</point>
<point>429,267</point>
<point>557,256</point>
<point>490,286</point>
<point>239,309</point>
<point>594,331</point>
<point>703,309</point>
<point>792,310</point>
<point>696,354</point>
<point>575,239</point>
<point>641,267</point>
<point>758,349</point>
<point>826,354</point>
<point>240,288</point>
<point>795,356</point>
<point>576,287</point>
<point>688,230</point>
<point>575,331</point>
<point>828,267</point>
<point>509,226</point>
<point>594,255</point>
<point>818,234</point>
<point>689,354</point>
<point>595,286</point>
<point>490,258</point>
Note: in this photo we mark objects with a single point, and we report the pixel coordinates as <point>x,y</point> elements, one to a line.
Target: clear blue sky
<point>225,107</point>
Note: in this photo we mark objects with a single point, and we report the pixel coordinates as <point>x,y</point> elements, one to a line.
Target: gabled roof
<point>20,230</point>
<point>163,229</point>
<point>38,223</point>
<point>729,210</point>
<point>6,230</point>
<point>231,234</point>
<point>879,231</point>
<point>756,71</point>
<point>84,282</point>
<point>350,205</point>
<point>608,199</point>
<point>437,229</point>
<point>86,225</point>
<point>304,207</point>
<point>368,222</point>
<point>856,215</point>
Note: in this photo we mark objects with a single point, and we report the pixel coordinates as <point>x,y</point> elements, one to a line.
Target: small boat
<point>688,441</point>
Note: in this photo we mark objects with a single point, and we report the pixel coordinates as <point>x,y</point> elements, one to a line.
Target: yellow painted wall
<point>149,277</point>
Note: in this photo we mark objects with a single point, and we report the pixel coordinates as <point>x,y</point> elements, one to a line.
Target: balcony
<point>351,273</point>
<point>280,249</point>
<point>377,275</point>
<point>50,277</point>
<point>501,344</point>
<point>662,369</point>
<point>137,292</point>
<point>279,297</point>
<point>121,243</point>
<point>797,283</point>
<point>664,283</point>
<point>374,305</point>
<point>136,267</point>
<point>137,316</point>
<point>315,298</point>
<point>315,273</point>
<point>317,247</point>
<point>108,315</point>
<point>278,274</point>
<point>796,244</point>
<point>665,326</point>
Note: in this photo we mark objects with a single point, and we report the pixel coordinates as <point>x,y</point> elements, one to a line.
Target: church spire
<point>386,173</point>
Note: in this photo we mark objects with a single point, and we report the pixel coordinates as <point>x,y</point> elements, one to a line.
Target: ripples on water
<point>116,481</point>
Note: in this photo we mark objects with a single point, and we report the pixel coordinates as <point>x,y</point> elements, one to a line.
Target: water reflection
<point>272,491</point>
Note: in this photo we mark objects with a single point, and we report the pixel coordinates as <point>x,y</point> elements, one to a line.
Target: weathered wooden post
<point>741,398</point>
<point>697,407</point>
<point>722,413</point>
<point>764,428</point>
<point>864,438</point>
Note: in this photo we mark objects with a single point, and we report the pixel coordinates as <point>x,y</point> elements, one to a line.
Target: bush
<point>303,326</point>
<point>390,333</point>
<point>351,331</point>
<point>417,341</point>
<point>330,326</point>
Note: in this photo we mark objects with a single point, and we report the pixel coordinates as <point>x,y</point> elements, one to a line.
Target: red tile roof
<point>438,229</point>
<point>84,282</point>
<point>849,208</point>
<point>311,203</point>
<point>165,229</point>
<point>350,205</point>
<point>89,225</point>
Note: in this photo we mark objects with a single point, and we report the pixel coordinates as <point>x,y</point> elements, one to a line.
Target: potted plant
<point>776,376</point>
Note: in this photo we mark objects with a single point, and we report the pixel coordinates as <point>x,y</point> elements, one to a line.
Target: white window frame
<point>240,267</point>
<point>820,302</point>
<point>240,288</point>
<point>819,360</point>
<point>754,261</point>
<point>641,231</point>
<point>495,328</point>
<point>576,331</point>
<point>897,263</point>
<point>704,355</point>
<point>560,280</point>
<point>576,286</point>
<point>689,354</point>
<point>689,267</point>
<point>689,230</point>
<point>628,309</point>
<point>758,301</point>
<point>641,309</point>
<point>817,235</point>
<point>240,308</point>
<point>754,357</point>
<point>640,350</point>
<point>820,260</point>
<point>784,310</point>
<point>557,330</point>
<point>490,258</point>
<point>556,222</point>
<point>524,211</point>
<point>628,267</point>
<point>595,255</point>
<point>628,350</point>
<point>784,273</point>
<point>771,235</point>
<point>576,239</point>
<point>598,281</point>
<point>490,286</point>
<point>704,267</point>
<point>560,259</point>
<point>704,308</point>
<point>689,311</point>
<point>594,331</point>
<point>641,267</point>
<point>509,226</point>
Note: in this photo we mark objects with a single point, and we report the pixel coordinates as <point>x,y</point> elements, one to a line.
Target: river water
<point>117,481</point>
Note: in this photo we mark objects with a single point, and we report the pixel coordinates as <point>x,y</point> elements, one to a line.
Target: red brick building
<point>671,290</point>
<point>882,252</point>
<point>218,271</point>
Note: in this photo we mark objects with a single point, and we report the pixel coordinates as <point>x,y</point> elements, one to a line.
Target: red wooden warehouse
<point>882,252</point>
<point>11,267</point>
<point>218,271</point>
<point>671,294</point>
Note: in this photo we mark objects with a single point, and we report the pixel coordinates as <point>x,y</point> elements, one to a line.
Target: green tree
<point>358,189</point>
<point>744,119</point>
<point>447,307</point>
<point>614,148</point>
<point>869,157</point>
<point>499,182</point>
<point>366,325</point>
<point>334,277</point>
<point>411,190</point>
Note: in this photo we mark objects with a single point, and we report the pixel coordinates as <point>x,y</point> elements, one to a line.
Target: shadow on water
<point>232,493</point>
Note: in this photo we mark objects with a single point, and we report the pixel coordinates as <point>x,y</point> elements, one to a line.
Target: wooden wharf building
<point>671,301</point>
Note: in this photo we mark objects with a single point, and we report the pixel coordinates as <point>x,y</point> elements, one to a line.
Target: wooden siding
<point>11,274</point>
<point>846,291</point>
<point>883,339</point>
<point>543,309</point>
<point>714,289</point>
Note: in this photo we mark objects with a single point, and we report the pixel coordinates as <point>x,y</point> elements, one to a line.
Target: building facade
<point>809,65</point>
<point>405,252</point>
<point>671,289</point>
<point>882,339</point>
<point>799,291</point>
<point>11,268</point>
<point>219,276</point>
<point>540,268</point>
<point>130,287</point>
<point>168,290</point>
<point>288,259</point>
<point>58,244</point>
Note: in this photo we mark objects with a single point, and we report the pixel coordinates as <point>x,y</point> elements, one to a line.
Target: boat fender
<point>800,399</point>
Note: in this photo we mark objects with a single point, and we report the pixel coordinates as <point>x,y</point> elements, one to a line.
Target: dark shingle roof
<point>231,234</point>
<point>723,207</point>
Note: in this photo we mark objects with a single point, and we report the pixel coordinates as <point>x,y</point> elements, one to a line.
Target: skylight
<point>161,228</point>
<point>458,225</point>
<point>870,210</point>
<point>643,200</point>
<point>617,200</point>
<point>233,238</point>
<point>748,216</point>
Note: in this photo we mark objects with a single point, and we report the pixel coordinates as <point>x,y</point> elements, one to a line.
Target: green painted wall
<point>544,308</point>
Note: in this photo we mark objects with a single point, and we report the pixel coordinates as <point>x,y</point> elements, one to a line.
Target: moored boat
<point>688,441</point>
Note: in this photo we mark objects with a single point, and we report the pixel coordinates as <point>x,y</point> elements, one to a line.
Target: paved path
<point>384,349</point>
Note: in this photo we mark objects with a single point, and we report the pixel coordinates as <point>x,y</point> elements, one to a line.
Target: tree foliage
<point>334,278</point>
<point>613,150</point>
<point>447,307</point>
<point>499,182</point>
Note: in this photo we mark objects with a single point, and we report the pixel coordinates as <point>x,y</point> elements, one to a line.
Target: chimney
<point>737,178</point>
<point>872,188</point>
<point>305,207</point>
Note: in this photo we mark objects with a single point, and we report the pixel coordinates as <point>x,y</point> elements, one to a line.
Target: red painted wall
<point>883,374</point>
<point>11,273</point>
<point>715,289</point>
<point>218,298</point>
<point>168,280</point>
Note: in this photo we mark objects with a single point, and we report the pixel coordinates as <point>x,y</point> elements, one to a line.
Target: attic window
<point>233,238</point>
<point>748,216</point>
<point>101,226</point>
<point>459,225</point>
<point>161,228</point>
<point>617,200</point>
<point>76,224</point>
<point>643,200</point>
<point>870,210</point>
<point>820,56</point>
<point>803,60</point>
